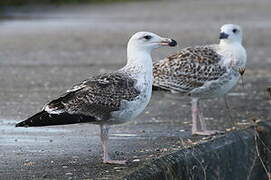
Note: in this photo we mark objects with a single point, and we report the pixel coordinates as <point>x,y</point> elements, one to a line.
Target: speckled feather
<point>188,69</point>
<point>96,97</point>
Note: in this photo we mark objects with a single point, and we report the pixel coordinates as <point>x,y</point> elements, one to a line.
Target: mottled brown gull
<point>204,72</point>
<point>107,99</point>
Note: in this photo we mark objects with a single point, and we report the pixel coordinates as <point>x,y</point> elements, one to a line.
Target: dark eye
<point>147,37</point>
<point>234,30</point>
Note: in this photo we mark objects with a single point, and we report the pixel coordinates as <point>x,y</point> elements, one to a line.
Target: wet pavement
<point>45,50</point>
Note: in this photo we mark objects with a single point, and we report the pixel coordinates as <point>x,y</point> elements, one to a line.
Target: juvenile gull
<point>107,99</point>
<point>204,72</point>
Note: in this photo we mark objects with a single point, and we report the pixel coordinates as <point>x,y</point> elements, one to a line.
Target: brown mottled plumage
<point>93,100</point>
<point>97,97</point>
<point>188,69</point>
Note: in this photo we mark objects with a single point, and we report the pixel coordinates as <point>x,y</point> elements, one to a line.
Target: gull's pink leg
<point>228,107</point>
<point>194,110</point>
<point>104,139</point>
<point>201,121</point>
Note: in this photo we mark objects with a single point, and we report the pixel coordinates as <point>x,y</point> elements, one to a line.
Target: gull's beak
<point>223,35</point>
<point>168,42</point>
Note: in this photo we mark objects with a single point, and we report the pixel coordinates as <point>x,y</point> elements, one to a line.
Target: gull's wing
<point>92,100</point>
<point>188,69</point>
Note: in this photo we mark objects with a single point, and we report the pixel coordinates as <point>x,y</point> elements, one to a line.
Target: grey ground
<point>46,50</point>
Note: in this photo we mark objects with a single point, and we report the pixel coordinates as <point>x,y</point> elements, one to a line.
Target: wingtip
<point>30,122</point>
<point>155,88</point>
<point>21,124</point>
<point>158,88</point>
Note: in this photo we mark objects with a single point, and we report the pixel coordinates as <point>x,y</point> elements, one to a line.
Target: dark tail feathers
<point>43,118</point>
<point>156,88</point>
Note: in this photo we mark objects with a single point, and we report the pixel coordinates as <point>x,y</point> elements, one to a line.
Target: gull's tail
<point>159,88</point>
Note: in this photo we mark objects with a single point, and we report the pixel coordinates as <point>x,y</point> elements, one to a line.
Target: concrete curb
<point>232,156</point>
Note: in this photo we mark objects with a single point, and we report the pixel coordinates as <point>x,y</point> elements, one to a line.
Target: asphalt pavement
<point>45,50</point>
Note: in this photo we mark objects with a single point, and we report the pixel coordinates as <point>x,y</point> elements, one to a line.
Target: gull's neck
<point>229,44</point>
<point>235,53</point>
<point>139,60</point>
<point>138,55</point>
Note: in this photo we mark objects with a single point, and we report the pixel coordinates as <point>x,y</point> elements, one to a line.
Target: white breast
<point>233,58</point>
<point>131,109</point>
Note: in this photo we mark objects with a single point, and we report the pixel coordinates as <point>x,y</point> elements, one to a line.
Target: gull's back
<point>189,70</point>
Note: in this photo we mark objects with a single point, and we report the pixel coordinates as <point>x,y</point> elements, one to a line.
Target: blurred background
<point>43,2</point>
<point>47,46</point>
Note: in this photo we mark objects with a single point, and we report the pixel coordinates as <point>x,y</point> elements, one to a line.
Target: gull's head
<point>147,41</point>
<point>231,33</point>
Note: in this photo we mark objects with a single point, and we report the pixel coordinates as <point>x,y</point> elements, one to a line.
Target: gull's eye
<point>147,37</point>
<point>234,30</point>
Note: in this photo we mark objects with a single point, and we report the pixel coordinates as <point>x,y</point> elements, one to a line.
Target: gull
<point>204,72</point>
<point>107,99</point>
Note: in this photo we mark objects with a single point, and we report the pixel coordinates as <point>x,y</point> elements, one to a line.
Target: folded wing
<point>92,100</point>
<point>189,69</point>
